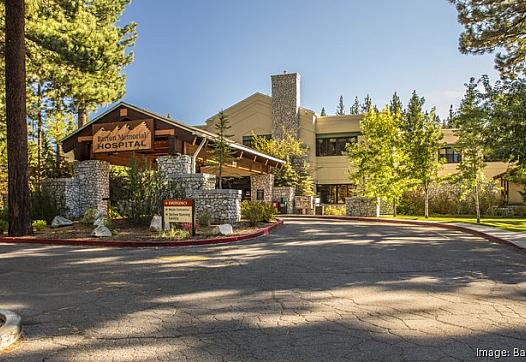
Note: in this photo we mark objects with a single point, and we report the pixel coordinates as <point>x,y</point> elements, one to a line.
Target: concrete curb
<point>11,330</point>
<point>98,242</point>
<point>465,229</point>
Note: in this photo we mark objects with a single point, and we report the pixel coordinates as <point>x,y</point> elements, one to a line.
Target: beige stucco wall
<point>251,115</point>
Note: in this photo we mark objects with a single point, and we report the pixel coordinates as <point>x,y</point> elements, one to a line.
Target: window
<point>247,140</point>
<point>450,155</point>
<point>333,145</point>
<point>260,195</point>
<point>334,194</point>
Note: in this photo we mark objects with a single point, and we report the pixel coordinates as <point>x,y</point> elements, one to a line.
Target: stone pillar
<point>285,104</point>
<point>280,194</point>
<point>66,194</point>
<point>261,187</point>
<point>174,165</point>
<point>93,182</point>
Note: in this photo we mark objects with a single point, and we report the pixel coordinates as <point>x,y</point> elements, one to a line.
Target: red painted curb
<point>419,223</point>
<point>97,242</point>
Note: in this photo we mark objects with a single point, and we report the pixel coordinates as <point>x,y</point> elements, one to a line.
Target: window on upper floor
<point>247,140</point>
<point>449,154</point>
<point>328,145</point>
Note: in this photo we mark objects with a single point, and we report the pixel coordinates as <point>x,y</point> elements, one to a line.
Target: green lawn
<point>511,224</point>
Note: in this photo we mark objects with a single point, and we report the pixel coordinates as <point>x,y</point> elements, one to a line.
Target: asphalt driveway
<point>313,290</point>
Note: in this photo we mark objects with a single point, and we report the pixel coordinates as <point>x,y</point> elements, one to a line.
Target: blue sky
<point>194,57</point>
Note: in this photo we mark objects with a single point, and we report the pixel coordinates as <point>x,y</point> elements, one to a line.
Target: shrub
<point>39,225</point>
<point>448,199</point>
<point>4,226</point>
<point>256,212</point>
<point>174,234</point>
<point>143,190</point>
<point>334,210</point>
<point>45,206</point>
<point>89,217</point>
<point>204,219</point>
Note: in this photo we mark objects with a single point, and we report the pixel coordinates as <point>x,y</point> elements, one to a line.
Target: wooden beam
<point>84,138</point>
<point>165,132</point>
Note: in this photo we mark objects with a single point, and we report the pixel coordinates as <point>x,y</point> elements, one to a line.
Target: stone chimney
<point>285,104</point>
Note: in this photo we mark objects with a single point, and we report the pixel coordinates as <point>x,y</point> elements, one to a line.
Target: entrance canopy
<point>124,130</point>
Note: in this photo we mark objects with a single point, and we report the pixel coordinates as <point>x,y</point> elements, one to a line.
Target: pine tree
<point>396,104</point>
<point>340,110</point>
<point>323,114</point>
<point>222,152</point>
<point>449,120</point>
<point>367,104</point>
<point>495,24</point>
<point>355,108</point>
<point>19,201</point>
<point>469,124</point>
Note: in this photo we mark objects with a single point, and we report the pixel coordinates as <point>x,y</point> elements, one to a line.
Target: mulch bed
<point>124,231</point>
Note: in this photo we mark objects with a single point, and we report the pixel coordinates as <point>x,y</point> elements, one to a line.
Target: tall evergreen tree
<point>340,110</point>
<point>396,104</point>
<point>19,201</point>
<point>221,149</point>
<point>355,108</point>
<point>470,128</point>
<point>367,104</point>
<point>422,141</point>
<point>491,25</point>
<point>323,114</point>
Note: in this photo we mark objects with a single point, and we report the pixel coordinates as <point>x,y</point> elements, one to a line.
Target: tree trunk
<point>377,207</point>
<point>220,176</point>
<point>19,200</point>
<point>477,201</point>
<point>394,208</point>
<point>58,160</point>
<point>82,116</point>
<point>39,135</point>
<point>426,202</point>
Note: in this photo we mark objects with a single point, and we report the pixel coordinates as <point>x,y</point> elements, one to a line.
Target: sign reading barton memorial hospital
<point>125,136</point>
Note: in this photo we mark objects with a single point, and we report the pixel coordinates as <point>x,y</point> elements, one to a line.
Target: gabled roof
<point>191,129</point>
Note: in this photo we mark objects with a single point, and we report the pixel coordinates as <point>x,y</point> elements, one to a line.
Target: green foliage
<point>422,140</point>
<point>355,108</point>
<point>222,153</point>
<point>470,129</point>
<point>174,234</point>
<point>377,159</point>
<point>446,198</point>
<point>491,25</point>
<point>505,104</point>
<point>139,191</point>
<point>323,114</point>
<point>45,206</point>
<point>204,219</point>
<point>4,226</point>
<point>89,217</point>
<point>256,212</point>
<point>296,171</point>
<point>39,225</point>
<point>340,110</point>
<point>396,104</point>
<point>334,210</point>
<point>367,104</point>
